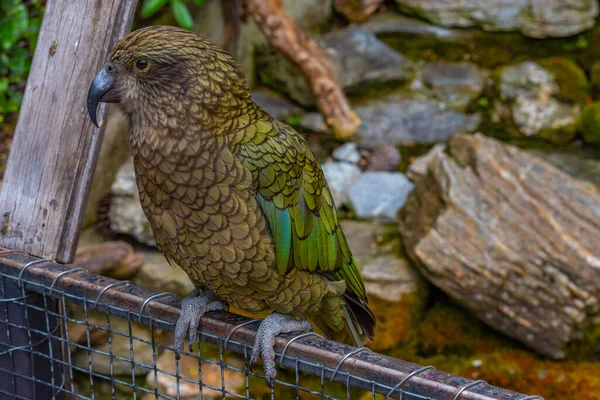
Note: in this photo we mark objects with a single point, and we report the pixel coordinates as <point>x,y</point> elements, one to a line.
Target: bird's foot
<point>193,309</point>
<point>274,325</point>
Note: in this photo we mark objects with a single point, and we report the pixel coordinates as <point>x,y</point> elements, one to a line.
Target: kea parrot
<point>234,197</point>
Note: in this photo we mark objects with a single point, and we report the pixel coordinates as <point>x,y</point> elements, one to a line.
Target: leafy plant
<point>19,26</point>
<point>178,7</point>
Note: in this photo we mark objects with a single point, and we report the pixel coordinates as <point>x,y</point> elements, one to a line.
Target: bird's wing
<point>297,204</point>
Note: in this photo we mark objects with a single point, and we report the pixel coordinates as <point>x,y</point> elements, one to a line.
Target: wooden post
<point>50,168</point>
<point>54,151</point>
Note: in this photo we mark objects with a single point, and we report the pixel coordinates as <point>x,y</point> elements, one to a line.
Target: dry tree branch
<point>285,36</point>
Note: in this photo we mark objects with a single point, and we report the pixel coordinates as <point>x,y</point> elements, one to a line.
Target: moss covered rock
<point>595,79</point>
<point>590,122</point>
<point>573,86</point>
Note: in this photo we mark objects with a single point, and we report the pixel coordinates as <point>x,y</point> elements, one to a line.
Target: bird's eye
<point>142,65</point>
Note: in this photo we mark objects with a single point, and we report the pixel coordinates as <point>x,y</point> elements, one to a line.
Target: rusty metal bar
<point>364,369</point>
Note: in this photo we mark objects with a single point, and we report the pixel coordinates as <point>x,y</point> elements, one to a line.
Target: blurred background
<point>469,193</point>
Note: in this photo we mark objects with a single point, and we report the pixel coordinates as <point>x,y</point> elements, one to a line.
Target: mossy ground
<point>452,340</point>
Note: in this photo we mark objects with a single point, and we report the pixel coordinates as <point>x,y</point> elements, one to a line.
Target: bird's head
<point>165,70</point>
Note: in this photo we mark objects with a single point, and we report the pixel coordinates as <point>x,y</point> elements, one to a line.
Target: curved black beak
<point>101,90</point>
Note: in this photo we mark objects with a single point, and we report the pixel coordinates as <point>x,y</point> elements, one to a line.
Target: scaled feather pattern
<point>235,197</point>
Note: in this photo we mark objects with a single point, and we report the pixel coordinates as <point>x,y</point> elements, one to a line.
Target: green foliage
<point>19,27</point>
<point>179,9</point>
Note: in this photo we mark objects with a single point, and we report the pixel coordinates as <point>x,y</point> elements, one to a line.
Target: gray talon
<point>193,309</point>
<point>274,325</point>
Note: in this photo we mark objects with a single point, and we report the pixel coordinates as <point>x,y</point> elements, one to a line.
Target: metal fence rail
<point>44,305</point>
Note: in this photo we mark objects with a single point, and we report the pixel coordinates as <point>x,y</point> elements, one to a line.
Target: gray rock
<point>339,176</point>
<point>455,84</point>
<point>347,152</point>
<point>527,79</point>
<point>577,161</point>
<point>275,105</point>
<point>379,195</point>
<point>418,168</point>
<point>361,60</point>
<point>511,238</point>
<point>398,120</point>
<point>376,249</point>
<point>533,18</point>
<point>527,90</point>
<point>158,275</point>
<point>394,24</point>
<point>126,215</point>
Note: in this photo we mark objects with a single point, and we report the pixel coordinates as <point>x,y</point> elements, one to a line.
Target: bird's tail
<point>359,317</point>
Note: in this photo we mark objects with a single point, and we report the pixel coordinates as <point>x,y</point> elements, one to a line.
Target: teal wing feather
<point>297,204</point>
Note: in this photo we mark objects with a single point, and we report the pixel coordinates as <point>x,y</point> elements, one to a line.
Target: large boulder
<point>533,18</point>
<point>510,237</point>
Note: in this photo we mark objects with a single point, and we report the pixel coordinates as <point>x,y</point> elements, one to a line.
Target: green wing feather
<point>297,203</point>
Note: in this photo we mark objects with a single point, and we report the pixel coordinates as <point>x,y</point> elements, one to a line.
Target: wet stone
<point>379,195</point>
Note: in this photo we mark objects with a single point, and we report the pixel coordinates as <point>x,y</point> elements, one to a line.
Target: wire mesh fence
<point>67,333</point>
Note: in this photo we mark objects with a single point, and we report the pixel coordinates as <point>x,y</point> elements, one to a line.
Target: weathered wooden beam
<point>54,151</point>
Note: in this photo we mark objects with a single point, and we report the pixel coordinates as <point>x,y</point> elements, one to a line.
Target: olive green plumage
<point>234,197</point>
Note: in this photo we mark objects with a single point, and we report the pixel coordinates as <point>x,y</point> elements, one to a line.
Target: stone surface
<point>533,18</point>
<point>581,162</point>
<point>395,24</point>
<point>397,293</point>
<point>509,237</point>
<point>527,91</point>
<point>275,105</point>
<point>361,60</point>
<point>348,152</point>
<point>455,84</point>
<point>156,274</point>
<point>379,195</point>
<point>113,153</point>
<point>209,22</point>
<point>188,368</point>
<point>399,119</point>
<point>377,250</point>
<point>126,215</point>
<point>340,175</point>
